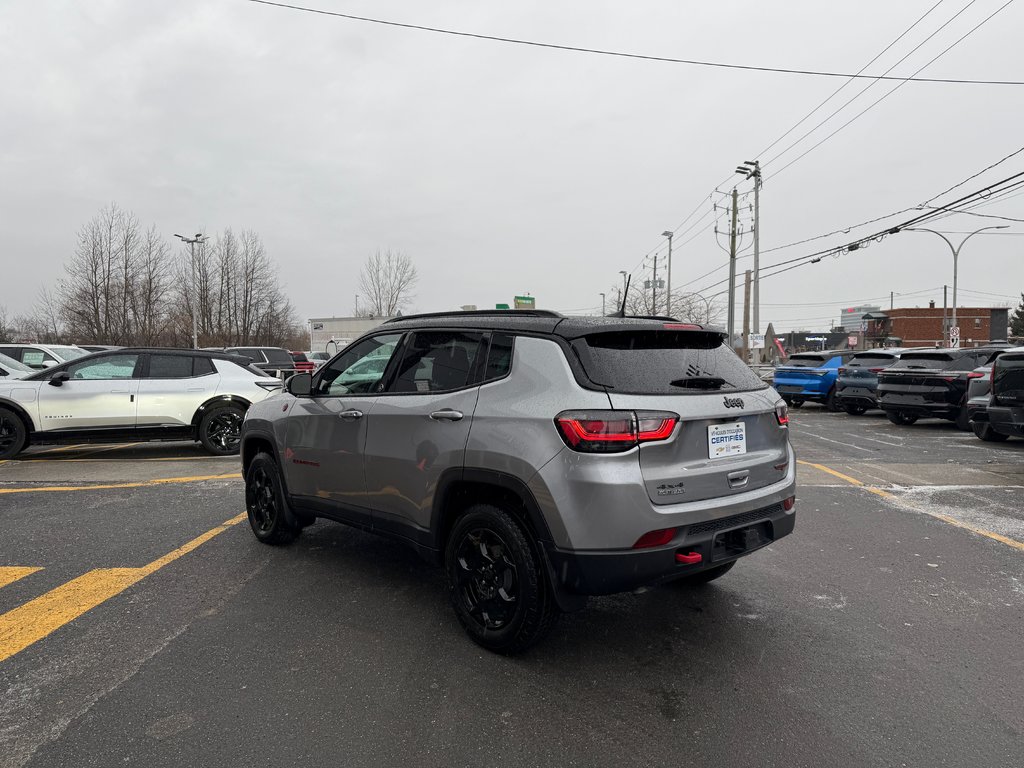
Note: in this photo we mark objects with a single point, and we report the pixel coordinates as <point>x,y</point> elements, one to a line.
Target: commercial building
<point>925,326</point>
<point>850,319</point>
<point>340,330</point>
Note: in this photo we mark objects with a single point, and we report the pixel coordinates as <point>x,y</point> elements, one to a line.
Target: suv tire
<point>220,429</point>
<point>12,434</point>
<point>830,401</point>
<point>962,419</point>
<point>497,582</point>
<point>270,518</point>
<point>855,410</point>
<point>902,418</point>
<point>989,435</point>
<point>703,577</point>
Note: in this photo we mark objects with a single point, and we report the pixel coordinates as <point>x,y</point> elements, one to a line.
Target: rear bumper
<point>919,407</point>
<point>804,390</point>
<point>1006,420</point>
<point>855,395</point>
<point>597,572</point>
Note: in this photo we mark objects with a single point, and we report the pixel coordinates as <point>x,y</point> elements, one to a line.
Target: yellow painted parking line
<point>61,449</point>
<point>125,461</point>
<point>110,486</point>
<point>937,515</point>
<point>10,574</point>
<point>34,620</point>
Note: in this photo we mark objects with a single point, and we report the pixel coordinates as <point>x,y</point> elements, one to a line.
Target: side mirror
<point>49,363</point>
<point>300,385</point>
<point>58,379</point>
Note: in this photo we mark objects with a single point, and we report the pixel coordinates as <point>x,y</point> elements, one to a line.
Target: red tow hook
<point>688,558</point>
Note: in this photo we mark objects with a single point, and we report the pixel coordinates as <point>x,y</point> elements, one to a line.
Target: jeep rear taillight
<point>656,538</point>
<point>613,431</point>
<point>782,414</point>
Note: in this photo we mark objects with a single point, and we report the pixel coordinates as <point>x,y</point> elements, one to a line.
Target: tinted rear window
<point>930,360</point>
<point>299,357</point>
<point>870,361</point>
<point>170,367</point>
<point>807,361</point>
<point>278,356</point>
<point>1008,378</point>
<point>663,362</point>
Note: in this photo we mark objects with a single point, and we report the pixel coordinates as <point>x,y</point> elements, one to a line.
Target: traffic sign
<point>954,336</point>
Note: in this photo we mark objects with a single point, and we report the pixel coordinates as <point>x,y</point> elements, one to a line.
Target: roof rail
<point>480,313</point>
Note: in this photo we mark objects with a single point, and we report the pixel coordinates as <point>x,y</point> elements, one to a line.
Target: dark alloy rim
<point>262,500</point>
<point>8,433</point>
<point>225,429</point>
<point>486,578</point>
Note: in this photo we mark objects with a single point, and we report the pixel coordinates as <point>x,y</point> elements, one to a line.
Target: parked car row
<point>132,394</point>
<point>909,384</point>
<point>996,404</point>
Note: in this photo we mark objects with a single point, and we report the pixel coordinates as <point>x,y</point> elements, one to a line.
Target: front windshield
<point>13,365</point>
<point>69,353</point>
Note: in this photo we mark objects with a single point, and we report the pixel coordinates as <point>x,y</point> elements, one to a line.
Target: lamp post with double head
<point>956,256</point>
<point>192,241</point>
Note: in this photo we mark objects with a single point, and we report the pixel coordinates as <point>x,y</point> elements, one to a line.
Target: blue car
<point>811,376</point>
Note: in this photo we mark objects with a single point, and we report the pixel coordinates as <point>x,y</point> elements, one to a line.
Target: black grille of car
<point>722,523</point>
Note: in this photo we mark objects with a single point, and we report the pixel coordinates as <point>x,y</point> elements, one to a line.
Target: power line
<point>889,93</point>
<point>623,54</point>
<point>860,71</point>
<point>973,176</point>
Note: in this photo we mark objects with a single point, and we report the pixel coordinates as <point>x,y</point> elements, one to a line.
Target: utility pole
<point>603,313</point>
<point>732,272</point>
<point>891,295</point>
<point>199,238</point>
<point>746,316</point>
<point>668,282</point>
<point>752,170</point>
<point>654,288</point>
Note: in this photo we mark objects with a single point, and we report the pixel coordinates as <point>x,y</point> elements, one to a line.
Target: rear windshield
<point>69,353</point>
<point>807,361</point>
<point>663,362</point>
<point>870,361</point>
<point>299,357</point>
<point>932,360</point>
<point>14,365</point>
<point>277,356</point>
<point>1008,378</point>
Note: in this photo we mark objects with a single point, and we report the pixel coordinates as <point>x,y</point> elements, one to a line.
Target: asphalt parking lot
<point>142,624</point>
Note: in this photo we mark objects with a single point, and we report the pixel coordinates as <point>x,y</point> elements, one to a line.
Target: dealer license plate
<point>727,439</point>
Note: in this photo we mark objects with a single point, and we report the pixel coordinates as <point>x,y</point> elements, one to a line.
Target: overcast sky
<point>503,169</point>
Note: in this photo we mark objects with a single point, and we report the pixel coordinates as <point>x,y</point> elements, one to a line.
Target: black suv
<point>1005,413</point>
<point>273,361</point>
<point>857,385</point>
<point>932,383</point>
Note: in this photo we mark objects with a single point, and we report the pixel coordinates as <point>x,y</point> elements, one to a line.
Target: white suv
<point>133,394</point>
<point>42,356</point>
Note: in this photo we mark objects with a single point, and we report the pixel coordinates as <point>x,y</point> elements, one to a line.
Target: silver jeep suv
<point>538,458</point>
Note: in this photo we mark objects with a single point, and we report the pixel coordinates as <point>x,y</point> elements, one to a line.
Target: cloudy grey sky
<point>504,169</point>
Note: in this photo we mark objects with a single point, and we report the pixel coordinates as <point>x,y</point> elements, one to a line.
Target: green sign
<point>525,302</point>
<point>501,306</point>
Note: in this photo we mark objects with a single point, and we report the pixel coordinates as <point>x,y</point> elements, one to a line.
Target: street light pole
<point>199,238</point>
<point>603,313</point>
<point>956,256</point>
<point>668,281</point>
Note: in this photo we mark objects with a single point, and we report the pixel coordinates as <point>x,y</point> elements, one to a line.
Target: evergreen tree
<point>1017,319</point>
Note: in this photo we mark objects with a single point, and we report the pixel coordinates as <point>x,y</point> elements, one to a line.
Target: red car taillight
<point>975,375</point>
<point>613,431</point>
<point>782,414</point>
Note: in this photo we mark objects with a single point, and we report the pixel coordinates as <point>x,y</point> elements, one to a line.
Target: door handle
<point>351,414</point>
<point>446,415</point>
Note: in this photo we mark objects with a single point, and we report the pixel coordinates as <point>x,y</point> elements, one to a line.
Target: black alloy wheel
<point>12,434</point>
<point>220,430</point>
<point>855,410</point>
<point>902,418</point>
<point>497,582</point>
<point>986,433</point>
<point>269,517</point>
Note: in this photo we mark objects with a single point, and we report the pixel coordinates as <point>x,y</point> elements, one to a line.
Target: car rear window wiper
<point>699,382</point>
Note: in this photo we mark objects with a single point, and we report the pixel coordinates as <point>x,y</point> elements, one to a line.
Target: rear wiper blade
<point>699,382</point>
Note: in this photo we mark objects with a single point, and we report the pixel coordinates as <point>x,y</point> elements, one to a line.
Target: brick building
<point>924,326</point>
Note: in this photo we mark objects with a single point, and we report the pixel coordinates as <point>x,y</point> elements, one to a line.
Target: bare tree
<point>6,331</point>
<point>687,307</point>
<point>387,282</point>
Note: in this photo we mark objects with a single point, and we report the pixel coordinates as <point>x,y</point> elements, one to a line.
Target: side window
<point>107,367</point>
<point>170,367</point>
<point>437,361</point>
<point>499,357</point>
<point>359,369</point>
<point>252,353</point>
<point>202,366</point>
<point>33,357</point>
